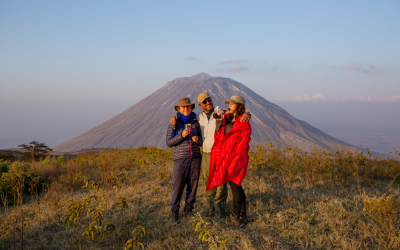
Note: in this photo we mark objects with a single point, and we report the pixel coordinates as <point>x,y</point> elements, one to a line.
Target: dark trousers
<point>186,172</point>
<point>239,199</point>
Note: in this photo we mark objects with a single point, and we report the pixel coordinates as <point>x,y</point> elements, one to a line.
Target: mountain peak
<point>201,76</point>
<point>145,123</point>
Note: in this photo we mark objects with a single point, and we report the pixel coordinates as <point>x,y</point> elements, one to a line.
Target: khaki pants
<point>216,197</point>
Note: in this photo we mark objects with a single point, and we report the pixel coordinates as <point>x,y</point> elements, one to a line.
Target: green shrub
<point>4,167</point>
<point>49,160</point>
<point>18,173</point>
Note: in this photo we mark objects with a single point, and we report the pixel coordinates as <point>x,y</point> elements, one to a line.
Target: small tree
<point>35,150</point>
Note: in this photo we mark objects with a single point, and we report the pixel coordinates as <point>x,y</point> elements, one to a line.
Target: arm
<point>218,125</point>
<point>200,140</point>
<point>245,117</point>
<point>171,142</point>
<point>172,121</point>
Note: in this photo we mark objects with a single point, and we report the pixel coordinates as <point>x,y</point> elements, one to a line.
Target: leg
<point>192,183</point>
<point>243,216</point>
<point>205,170</point>
<point>237,198</point>
<point>221,197</point>
<point>178,183</point>
<point>237,204</point>
<point>243,196</point>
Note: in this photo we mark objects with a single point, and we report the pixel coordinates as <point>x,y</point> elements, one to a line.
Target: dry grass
<point>296,200</point>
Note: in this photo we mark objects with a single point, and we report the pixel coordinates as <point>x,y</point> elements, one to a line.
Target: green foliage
<point>202,227</point>
<point>18,172</point>
<point>49,160</point>
<point>4,167</point>
<point>77,209</point>
<point>93,207</point>
<point>135,241</point>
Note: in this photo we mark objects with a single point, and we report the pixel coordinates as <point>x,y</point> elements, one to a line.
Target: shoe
<point>233,221</point>
<point>188,213</point>
<point>243,219</point>
<point>175,216</point>
<point>222,215</point>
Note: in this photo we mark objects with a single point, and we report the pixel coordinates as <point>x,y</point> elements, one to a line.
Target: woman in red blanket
<point>229,156</point>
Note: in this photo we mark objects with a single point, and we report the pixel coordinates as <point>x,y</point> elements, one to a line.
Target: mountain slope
<point>145,123</point>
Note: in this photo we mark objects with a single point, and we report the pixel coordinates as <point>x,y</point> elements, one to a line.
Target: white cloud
<point>321,97</point>
<point>364,68</point>
<point>237,68</point>
<point>234,61</point>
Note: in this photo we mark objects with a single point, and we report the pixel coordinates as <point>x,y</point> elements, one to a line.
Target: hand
<point>245,117</point>
<point>172,121</point>
<point>185,133</point>
<point>195,138</point>
<point>219,118</point>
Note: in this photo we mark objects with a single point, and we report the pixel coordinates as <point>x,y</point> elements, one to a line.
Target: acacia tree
<point>35,150</point>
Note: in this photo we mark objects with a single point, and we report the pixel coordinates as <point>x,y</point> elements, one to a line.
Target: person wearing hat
<point>229,156</point>
<point>216,198</point>
<point>186,139</point>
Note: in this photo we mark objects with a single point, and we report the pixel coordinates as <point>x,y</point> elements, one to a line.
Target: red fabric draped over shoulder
<point>229,155</point>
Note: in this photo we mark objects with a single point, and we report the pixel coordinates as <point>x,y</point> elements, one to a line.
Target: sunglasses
<point>207,100</point>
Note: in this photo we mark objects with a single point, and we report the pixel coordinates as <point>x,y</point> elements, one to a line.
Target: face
<point>233,107</point>
<point>207,105</point>
<point>185,110</point>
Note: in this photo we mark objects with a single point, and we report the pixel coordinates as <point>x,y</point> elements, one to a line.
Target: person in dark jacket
<point>186,140</point>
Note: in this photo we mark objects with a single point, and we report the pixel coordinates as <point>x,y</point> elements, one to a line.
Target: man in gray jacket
<point>216,197</point>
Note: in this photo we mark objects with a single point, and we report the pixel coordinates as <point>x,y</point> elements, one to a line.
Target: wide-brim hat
<point>184,102</point>
<point>236,99</point>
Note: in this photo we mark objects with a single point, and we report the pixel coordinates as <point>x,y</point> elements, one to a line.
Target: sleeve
<point>218,125</point>
<point>172,142</point>
<point>200,141</point>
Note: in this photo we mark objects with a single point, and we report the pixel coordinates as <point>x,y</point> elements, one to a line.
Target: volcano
<point>146,122</point>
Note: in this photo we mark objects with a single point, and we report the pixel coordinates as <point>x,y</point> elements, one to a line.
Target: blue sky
<point>110,54</point>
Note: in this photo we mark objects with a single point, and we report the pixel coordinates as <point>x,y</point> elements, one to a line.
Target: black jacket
<point>181,144</point>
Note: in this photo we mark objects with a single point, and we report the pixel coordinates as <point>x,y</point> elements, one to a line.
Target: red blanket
<point>229,155</point>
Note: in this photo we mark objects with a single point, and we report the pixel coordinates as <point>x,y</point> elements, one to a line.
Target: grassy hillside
<point>120,199</point>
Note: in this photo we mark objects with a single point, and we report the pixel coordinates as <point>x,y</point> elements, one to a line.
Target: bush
<point>50,167</point>
<point>4,167</point>
<point>18,173</point>
<point>7,157</point>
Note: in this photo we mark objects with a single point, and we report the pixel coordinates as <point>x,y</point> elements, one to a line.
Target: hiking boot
<point>222,215</point>
<point>243,219</point>
<point>232,220</point>
<point>188,213</point>
<point>175,216</point>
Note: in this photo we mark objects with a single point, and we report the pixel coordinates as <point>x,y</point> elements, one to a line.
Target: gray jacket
<point>181,145</point>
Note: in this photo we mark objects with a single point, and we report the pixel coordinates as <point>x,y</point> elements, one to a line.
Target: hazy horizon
<point>373,124</point>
